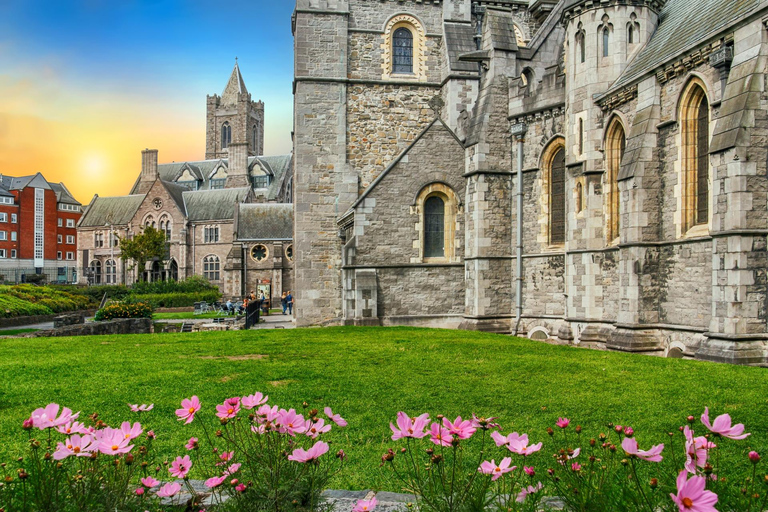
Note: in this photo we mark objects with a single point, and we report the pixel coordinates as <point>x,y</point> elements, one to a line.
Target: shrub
<point>193,284</point>
<point>176,300</point>
<point>27,299</point>
<point>11,306</point>
<point>124,310</point>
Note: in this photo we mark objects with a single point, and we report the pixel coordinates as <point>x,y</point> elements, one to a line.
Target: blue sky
<point>88,84</point>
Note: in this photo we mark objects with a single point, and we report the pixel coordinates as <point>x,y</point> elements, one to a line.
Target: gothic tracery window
<point>211,267</point>
<point>615,146</point>
<point>434,227</point>
<point>695,139</point>
<point>226,135</point>
<point>557,197</point>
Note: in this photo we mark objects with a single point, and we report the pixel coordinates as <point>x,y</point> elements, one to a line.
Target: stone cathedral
<point>642,127</point>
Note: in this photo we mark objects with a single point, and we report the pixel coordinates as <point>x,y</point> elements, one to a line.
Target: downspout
<point>518,132</point>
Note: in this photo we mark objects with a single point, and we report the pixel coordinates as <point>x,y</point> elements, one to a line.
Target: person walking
<point>289,300</point>
<point>284,302</point>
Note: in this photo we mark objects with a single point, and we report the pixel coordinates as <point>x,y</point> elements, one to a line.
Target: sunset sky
<point>85,85</point>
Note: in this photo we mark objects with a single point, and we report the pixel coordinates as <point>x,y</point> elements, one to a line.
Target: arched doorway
<point>173,270</point>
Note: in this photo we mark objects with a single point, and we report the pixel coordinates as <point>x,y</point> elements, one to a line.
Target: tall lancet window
<point>402,51</point>
<point>226,135</point>
<point>434,227</point>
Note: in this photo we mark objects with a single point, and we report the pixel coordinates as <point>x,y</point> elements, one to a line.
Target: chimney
<point>149,165</point>
<point>237,174</point>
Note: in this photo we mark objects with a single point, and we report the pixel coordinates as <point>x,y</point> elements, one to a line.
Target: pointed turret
<point>235,86</point>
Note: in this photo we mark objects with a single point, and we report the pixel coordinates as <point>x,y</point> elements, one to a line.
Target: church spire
<point>235,86</point>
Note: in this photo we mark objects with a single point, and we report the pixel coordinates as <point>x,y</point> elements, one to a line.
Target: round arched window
<point>289,252</point>
<point>259,252</point>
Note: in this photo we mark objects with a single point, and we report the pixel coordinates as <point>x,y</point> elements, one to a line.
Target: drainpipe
<point>518,133</point>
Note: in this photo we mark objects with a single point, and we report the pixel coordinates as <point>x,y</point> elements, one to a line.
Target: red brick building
<point>38,229</point>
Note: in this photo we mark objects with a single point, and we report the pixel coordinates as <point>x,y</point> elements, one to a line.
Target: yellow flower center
<point>687,502</point>
<point>191,410</point>
<point>115,447</point>
<point>69,447</point>
<point>230,410</point>
<point>497,469</point>
<point>76,450</point>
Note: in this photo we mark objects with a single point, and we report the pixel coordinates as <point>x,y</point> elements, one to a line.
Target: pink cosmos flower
<point>150,434</point>
<point>754,457</point>
<point>180,467</point>
<point>462,429</point>
<point>722,426</point>
<point>691,494</point>
<point>314,429</point>
<point>629,444</point>
<point>267,413</point>
<point>191,444</point>
<point>501,440</point>
<point>255,400</point>
<point>336,418</point>
<point>574,454</point>
<point>215,481</point>
<point>113,442</point>
<point>141,408</point>
<point>231,470</point>
<point>562,422</point>
<point>44,418</point>
<point>72,428</point>
<point>149,482</point>
<point>300,455</point>
<point>168,490</point>
<point>365,505</point>
<point>520,446</point>
<point>484,423</point>
<point>227,456</point>
<point>131,432</point>
<point>409,427</point>
<point>228,409</point>
<point>240,488</point>
<point>439,435</point>
<point>75,445</point>
<point>576,466</point>
<point>696,450</point>
<point>189,406</point>
<point>27,424</point>
<point>490,468</point>
<point>288,422</point>
<point>529,470</point>
<point>528,490</point>
<point>259,429</point>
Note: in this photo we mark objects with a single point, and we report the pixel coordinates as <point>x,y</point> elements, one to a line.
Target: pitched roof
<point>118,210</point>
<point>20,182</point>
<point>218,204</point>
<point>235,86</point>
<point>265,221</point>
<point>63,195</point>
<point>501,30</point>
<point>176,192</point>
<point>5,192</point>
<point>683,25</point>
<point>459,39</point>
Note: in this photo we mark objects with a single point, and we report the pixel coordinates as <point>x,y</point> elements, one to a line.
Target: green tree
<point>144,247</point>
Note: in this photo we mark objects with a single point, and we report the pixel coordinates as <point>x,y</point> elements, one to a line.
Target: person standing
<point>284,302</point>
<point>289,300</point>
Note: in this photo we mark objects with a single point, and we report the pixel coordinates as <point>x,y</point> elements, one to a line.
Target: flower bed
<point>29,300</point>
<point>124,310</point>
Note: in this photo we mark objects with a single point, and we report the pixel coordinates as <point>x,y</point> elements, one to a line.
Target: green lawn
<point>367,375</point>
<point>14,332</point>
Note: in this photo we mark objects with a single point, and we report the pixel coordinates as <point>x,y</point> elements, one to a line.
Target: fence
<point>53,275</point>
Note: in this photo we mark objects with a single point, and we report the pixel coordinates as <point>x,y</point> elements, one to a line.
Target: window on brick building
<point>13,254</point>
<point>70,239</point>
<point>615,143</point>
<point>14,218</point>
<point>3,254</point>
<point>58,255</point>
<point>70,256</point>
<point>6,200</point>
<point>70,223</point>
<point>3,217</point>
<point>98,240</point>
<point>14,235</point>
<point>211,268</point>
<point>3,235</point>
<point>60,239</point>
<point>61,222</point>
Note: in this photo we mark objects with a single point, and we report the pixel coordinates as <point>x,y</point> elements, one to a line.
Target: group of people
<point>286,301</point>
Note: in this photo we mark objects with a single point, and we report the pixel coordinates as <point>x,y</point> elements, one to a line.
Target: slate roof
<point>265,221</point>
<point>176,192</point>
<point>683,25</point>
<point>459,39</point>
<point>19,182</point>
<point>63,195</point>
<point>118,210</point>
<point>216,204</point>
<point>501,30</point>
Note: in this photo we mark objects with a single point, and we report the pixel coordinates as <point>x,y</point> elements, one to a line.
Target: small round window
<point>259,252</point>
<point>289,252</point>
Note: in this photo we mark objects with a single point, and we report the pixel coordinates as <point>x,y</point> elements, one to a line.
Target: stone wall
<point>120,326</point>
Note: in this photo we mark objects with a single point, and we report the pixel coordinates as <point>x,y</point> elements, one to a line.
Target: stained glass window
<point>557,198</point>
<point>702,162</point>
<point>434,228</point>
<point>402,51</point>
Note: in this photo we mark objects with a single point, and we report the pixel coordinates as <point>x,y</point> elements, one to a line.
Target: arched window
<point>226,135</point>
<point>96,271</point>
<point>557,197</point>
<point>173,270</point>
<point>149,221</point>
<point>110,271</point>
<point>606,41</point>
<point>434,227</point>
<point>695,138</point>
<point>402,51</point>
<point>253,138</point>
<point>630,34</point>
<point>579,197</point>
<point>580,46</point>
<point>165,227</point>
<point>581,136</point>
<point>615,143</point>
<point>211,267</point>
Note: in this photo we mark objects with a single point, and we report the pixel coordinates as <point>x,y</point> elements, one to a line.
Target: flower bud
<point>23,474</point>
<point>754,457</point>
<point>602,437</point>
<point>436,459</point>
<point>234,482</point>
<point>550,431</point>
<point>430,451</point>
<point>440,417</point>
<point>551,472</point>
<point>691,419</point>
<point>403,450</point>
<point>304,404</point>
<point>151,434</point>
<point>27,424</point>
<point>578,429</point>
<point>618,429</point>
<point>592,458</point>
<point>766,479</point>
<point>47,456</point>
<point>388,457</point>
<point>681,428</point>
<point>743,490</point>
<point>708,468</point>
<point>144,464</point>
<point>341,455</point>
<point>612,448</point>
<point>592,442</point>
<point>219,433</point>
<point>240,488</point>
<point>129,459</point>
<point>139,491</point>
<point>455,441</point>
<point>223,421</point>
<point>529,471</point>
<point>624,462</point>
<point>654,483</point>
<point>629,431</point>
<point>313,413</point>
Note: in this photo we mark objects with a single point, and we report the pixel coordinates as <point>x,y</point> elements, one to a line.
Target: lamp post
<point>518,133</point>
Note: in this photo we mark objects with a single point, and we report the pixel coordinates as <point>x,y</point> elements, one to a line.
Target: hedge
<point>27,299</point>
<point>124,310</point>
<point>176,300</point>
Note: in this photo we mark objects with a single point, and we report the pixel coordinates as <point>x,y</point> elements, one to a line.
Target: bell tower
<point>233,118</point>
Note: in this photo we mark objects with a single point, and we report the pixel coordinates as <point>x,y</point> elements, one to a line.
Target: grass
<point>367,375</point>
<point>14,332</point>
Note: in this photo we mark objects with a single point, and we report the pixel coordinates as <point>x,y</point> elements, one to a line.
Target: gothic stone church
<point>227,218</point>
<point>641,127</point>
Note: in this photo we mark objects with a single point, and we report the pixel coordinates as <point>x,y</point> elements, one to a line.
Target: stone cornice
<point>616,98</point>
<point>538,115</point>
<point>578,7</point>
